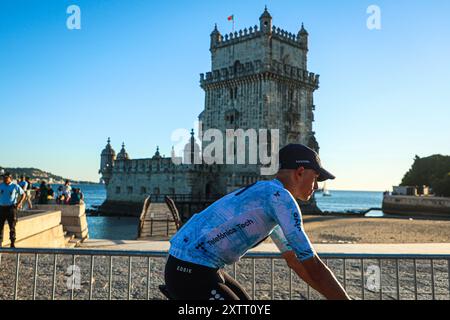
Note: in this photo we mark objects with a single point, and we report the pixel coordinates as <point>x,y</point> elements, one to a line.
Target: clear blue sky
<point>132,73</point>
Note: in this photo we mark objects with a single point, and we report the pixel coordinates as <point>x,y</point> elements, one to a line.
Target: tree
<point>433,171</point>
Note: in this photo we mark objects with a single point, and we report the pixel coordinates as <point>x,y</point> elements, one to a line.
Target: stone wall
<point>38,230</point>
<point>73,218</point>
<point>411,205</point>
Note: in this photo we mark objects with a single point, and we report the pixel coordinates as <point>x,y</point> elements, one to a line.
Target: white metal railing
<point>123,274</point>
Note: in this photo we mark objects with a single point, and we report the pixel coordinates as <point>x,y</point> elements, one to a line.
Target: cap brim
<point>324,175</point>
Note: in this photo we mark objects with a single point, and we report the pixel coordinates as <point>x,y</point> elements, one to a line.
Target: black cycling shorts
<point>189,281</point>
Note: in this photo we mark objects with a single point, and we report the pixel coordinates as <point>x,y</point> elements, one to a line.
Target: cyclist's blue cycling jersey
<point>227,229</point>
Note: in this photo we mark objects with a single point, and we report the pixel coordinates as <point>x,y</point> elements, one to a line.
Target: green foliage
<point>433,171</point>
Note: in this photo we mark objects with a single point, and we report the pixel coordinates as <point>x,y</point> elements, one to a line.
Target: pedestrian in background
<point>11,197</point>
<point>67,191</point>
<point>43,193</point>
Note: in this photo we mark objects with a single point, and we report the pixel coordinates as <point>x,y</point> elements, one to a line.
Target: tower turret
<point>107,158</point>
<point>216,38</point>
<point>157,155</point>
<point>302,37</point>
<point>123,155</point>
<point>265,22</point>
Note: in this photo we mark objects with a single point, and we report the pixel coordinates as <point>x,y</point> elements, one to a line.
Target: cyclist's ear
<point>299,171</point>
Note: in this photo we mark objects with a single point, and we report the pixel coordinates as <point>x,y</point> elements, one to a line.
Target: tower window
<point>143,190</point>
<point>129,190</point>
<point>117,190</point>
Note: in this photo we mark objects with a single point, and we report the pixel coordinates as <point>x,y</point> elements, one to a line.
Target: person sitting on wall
<point>24,185</point>
<point>29,198</point>
<point>59,195</point>
<point>67,190</point>
<point>43,193</point>
<point>50,192</point>
<point>76,197</point>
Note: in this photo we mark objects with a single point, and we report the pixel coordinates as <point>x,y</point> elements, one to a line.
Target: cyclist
<point>227,229</point>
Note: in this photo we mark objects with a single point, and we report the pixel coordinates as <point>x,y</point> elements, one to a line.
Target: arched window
<point>237,66</point>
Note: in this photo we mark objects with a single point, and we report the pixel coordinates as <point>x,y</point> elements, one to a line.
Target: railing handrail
<point>183,197</point>
<point>257,255</point>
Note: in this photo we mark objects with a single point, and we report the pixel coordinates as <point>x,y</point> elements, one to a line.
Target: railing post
<point>345,274</point>
<point>167,226</point>
<point>73,278</point>
<point>16,281</point>
<point>148,277</point>
<point>381,280</point>
<point>54,276</point>
<point>254,279</point>
<point>432,280</point>
<point>36,262</point>
<point>110,277</point>
<point>362,280</point>
<point>448,277</point>
<point>129,277</point>
<point>290,284</point>
<point>415,280</point>
<point>272,280</point>
<point>91,278</point>
<point>398,278</point>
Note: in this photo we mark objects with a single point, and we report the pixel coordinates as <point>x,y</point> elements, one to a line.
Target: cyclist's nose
<point>316,185</point>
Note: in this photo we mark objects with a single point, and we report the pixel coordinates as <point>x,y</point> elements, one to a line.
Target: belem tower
<point>259,79</point>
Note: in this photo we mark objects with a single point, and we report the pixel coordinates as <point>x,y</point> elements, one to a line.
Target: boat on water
<point>325,192</point>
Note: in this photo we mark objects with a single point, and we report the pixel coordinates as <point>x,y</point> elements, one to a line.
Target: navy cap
<point>294,156</point>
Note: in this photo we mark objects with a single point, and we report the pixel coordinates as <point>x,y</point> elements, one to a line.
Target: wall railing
<point>91,274</point>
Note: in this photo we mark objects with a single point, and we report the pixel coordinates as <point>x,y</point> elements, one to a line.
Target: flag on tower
<point>231,18</point>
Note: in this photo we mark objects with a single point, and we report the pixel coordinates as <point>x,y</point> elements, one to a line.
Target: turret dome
<point>108,151</point>
<point>123,155</point>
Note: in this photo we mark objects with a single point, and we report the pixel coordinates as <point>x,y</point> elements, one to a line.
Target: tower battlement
<point>257,68</point>
<point>245,34</point>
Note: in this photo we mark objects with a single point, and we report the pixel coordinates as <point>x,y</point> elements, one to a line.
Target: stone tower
<point>107,159</point>
<point>259,80</point>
